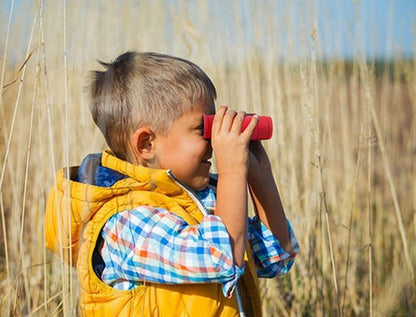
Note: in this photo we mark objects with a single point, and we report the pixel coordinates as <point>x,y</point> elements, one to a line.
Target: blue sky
<point>384,27</point>
<point>349,28</point>
<point>345,28</point>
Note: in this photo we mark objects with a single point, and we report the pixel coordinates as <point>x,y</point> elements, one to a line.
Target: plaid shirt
<point>154,245</point>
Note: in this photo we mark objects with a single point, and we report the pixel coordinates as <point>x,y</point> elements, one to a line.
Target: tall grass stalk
<point>69,310</point>
<point>22,246</point>
<point>64,269</point>
<point>363,124</point>
<point>369,208</point>
<point>5,301</point>
<point>3,68</point>
<point>368,80</point>
<point>2,209</point>
<point>394,197</point>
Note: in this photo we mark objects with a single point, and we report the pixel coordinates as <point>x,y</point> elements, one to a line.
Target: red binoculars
<point>263,130</point>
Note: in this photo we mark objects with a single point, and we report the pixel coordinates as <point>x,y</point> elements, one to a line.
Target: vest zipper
<point>190,193</point>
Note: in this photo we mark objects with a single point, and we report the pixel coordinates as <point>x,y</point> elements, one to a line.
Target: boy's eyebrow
<point>199,123</point>
<point>198,118</point>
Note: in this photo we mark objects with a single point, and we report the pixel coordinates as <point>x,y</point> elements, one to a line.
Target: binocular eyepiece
<point>263,130</point>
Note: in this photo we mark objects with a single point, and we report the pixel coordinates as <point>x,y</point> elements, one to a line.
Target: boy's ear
<point>142,145</point>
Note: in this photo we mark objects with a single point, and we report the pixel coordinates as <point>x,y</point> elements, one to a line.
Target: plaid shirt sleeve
<point>154,245</point>
<point>271,259</point>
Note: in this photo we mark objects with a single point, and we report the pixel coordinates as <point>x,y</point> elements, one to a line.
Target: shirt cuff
<point>229,286</point>
<point>271,258</point>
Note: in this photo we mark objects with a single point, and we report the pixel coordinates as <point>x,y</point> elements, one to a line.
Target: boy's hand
<point>230,145</point>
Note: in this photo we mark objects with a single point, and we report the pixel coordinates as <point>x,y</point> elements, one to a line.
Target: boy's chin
<point>200,184</point>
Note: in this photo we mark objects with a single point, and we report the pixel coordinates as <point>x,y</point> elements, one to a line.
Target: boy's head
<point>145,90</point>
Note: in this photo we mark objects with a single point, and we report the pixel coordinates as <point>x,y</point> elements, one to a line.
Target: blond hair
<point>138,89</point>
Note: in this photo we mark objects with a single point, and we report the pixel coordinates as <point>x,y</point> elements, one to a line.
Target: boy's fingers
<point>237,122</point>
<point>227,121</point>
<point>251,126</point>
<point>217,123</point>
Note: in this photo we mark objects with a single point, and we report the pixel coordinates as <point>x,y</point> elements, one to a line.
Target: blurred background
<point>339,80</point>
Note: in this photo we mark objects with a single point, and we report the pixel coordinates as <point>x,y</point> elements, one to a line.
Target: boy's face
<point>184,150</point>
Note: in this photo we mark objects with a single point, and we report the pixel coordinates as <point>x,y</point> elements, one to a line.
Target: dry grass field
<point>343,150</point>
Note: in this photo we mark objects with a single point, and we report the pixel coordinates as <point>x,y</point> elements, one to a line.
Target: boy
<point>151,231</point>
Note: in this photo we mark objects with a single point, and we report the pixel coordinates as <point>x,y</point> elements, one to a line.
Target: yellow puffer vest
<point>75,215</point>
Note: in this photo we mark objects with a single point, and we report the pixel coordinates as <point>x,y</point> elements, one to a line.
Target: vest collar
<point>157,180</point>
